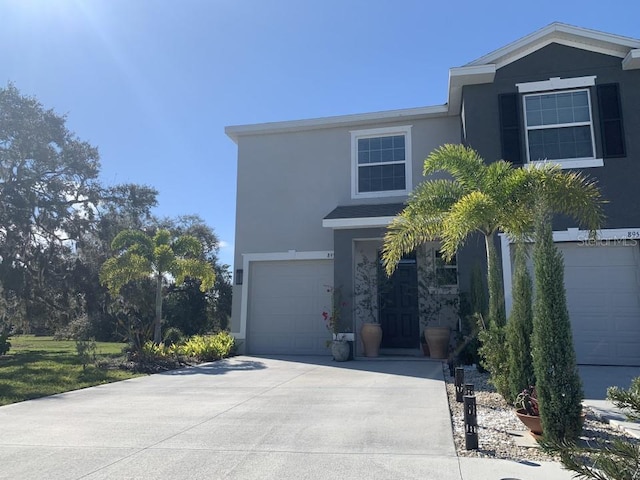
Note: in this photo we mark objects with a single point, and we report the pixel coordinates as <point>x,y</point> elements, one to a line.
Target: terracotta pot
<point>532,422</point>
<point>438,341</point>
<point>340,350</point>
<point>371,334</point>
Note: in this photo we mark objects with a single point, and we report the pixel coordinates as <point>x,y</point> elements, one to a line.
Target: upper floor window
<point>558,122</point>
<point>381,162</point>
<point>558,126</point>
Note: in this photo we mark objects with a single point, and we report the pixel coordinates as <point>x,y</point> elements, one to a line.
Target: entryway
<point>398,306</point>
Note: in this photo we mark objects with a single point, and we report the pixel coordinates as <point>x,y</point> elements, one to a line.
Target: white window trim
<point>381,132</point>
<point>554,86</point>
<point>556,83</point>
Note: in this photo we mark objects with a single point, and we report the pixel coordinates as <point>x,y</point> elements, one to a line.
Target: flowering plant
<point>332,318</point>
<point>527,400</point>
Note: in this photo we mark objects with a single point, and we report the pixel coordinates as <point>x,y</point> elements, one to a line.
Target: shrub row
<point>202,348</point>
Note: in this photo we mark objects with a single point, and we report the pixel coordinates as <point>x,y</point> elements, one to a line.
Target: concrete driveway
<point>250,418</point>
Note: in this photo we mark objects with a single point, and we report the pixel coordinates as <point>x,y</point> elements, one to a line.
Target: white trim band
<point>556,83</point>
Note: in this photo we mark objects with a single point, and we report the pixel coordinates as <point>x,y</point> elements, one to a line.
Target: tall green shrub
<point>558,383</point>
<point>520,326</point>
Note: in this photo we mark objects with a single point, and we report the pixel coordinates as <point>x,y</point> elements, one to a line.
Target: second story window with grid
<point>559,126</point>
<point>381,162</point>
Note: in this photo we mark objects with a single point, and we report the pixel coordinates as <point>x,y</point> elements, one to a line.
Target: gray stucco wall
<point>618,177</point>
<point>288,182</point>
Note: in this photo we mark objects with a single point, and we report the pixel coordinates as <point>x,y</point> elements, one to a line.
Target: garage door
<point>604,303</point>
<point>286,301</point>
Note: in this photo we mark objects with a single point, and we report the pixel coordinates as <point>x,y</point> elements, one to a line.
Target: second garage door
<point>603,299</point>
<point>286,301</point>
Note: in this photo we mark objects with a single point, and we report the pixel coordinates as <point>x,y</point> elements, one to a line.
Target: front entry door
<point>399,306</point>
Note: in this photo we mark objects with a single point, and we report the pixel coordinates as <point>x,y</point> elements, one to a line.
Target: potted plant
<point>528,411</point>
<point>366,305</point>
<point>338,343</point>
<point>436,301</point>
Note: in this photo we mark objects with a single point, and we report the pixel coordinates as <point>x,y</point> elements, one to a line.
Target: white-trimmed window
<point>446,272</point>
<point>559,125</point>
<point>381,162</point>
<point>558,121</point>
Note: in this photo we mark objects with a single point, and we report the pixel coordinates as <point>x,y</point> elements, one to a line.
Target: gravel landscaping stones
<point>496,419</point>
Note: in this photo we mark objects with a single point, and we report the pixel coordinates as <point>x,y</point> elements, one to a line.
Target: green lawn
<point>40,366</point>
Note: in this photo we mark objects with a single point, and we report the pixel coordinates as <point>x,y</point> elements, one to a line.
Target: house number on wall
<point>330,255</point>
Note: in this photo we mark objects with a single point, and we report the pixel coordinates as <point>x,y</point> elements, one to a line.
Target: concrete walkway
<point>251,418</point>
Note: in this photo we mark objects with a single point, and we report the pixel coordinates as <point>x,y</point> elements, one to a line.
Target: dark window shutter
<point>510,128</point>
<point>611,127</point>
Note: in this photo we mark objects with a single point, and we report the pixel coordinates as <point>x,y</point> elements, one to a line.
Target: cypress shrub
<point>493,334</point>
<point>520,326</point>
<point>557,381</point>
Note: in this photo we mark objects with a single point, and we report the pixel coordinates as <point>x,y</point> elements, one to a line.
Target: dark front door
<point>399,307</point>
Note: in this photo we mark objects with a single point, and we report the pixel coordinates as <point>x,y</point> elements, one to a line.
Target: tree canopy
<point>140,256</point>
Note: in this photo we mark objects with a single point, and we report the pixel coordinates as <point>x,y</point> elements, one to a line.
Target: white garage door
<point>286,301</point>
<point>603,299</point>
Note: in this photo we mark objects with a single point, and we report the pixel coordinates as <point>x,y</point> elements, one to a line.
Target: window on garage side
<point>381,162</point>
<point>559,125</point>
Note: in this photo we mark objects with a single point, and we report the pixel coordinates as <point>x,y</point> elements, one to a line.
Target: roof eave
<point>236,131</point>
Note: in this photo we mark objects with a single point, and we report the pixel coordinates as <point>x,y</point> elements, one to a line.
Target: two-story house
<point>314,196</point>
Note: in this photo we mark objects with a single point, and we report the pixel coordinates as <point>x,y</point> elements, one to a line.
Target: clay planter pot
<point>371,334</point>
<point>340,350</point>
<point>532,422</point>
<point>438,341</point>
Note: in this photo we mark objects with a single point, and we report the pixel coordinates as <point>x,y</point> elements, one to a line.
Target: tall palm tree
<point>140,256</point>
<point>486,199</point>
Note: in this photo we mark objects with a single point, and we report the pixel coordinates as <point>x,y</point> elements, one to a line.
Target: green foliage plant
<point>205,348</point>
<point>140,256</point>
<point>627,400</point>
<point>86,350</point>
<point>520,326</point>
<point>5,344</point>
<point>558,383</point>
<point>494,355</point>
<point>598,460</point>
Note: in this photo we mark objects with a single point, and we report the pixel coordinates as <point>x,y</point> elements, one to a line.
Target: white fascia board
<point>247,258</point>
<point>564,34</point>
<point>235,131</point>
<point>364,222</point>
<point>632,60</point>
<point>469,75</point>
<point>556,83</point>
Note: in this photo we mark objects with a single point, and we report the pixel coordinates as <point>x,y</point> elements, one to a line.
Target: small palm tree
<point>140,256</point>
<point>486,199</point>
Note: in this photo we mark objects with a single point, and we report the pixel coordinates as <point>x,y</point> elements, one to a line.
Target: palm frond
<point>475,211</point>
<point>464,164</point>
<point>420,221</point>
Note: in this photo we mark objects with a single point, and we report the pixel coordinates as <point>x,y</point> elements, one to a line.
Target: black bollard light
<point>468,389</point>
<point>470,423</point>
<point>459,383</point>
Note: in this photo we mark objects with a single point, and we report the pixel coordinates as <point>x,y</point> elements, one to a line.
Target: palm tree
<point>485,199</point>
<point>140,256</point>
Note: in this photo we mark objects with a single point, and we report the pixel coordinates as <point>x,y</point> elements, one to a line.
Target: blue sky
<point>153,83</point>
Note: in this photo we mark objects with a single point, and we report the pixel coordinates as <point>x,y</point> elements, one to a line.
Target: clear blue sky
<point>153,83</point>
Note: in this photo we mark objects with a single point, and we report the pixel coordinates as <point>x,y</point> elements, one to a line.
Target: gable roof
<point>483,69</point>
